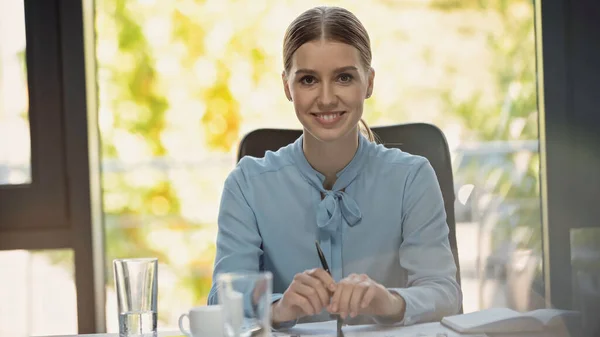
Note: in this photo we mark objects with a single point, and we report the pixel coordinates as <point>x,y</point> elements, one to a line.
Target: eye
<point>308,80</point>
<point>345,78</point>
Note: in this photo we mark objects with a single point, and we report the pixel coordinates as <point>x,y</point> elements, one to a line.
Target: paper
<point>505,320</point>
<point>328,329</point>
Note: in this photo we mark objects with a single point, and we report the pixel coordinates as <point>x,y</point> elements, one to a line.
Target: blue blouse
<point>384,217</point>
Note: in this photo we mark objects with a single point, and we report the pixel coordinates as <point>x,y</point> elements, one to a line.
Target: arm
<point>239,250</point>
<point>238,238</point>
<point>432,291</point>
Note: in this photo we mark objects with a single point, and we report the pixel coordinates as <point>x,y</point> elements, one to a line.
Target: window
<point>45,215</point>
<point>180,84</point>
<point>15,160</point>
<point>585,271</point>
<point>37,292</point>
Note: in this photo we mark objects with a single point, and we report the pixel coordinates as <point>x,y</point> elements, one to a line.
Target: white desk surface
<point>160,334</point>
<point>329,329</point>
<point>323,329</point>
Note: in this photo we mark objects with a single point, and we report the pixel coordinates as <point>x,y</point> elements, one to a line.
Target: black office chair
<point>417,138</point>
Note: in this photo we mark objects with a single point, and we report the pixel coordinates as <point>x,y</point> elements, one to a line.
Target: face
<point>328,85</point>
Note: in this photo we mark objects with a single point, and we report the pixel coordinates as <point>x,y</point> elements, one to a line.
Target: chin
<point>328,135</point>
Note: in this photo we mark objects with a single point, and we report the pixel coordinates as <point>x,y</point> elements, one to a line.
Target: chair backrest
<point>416,138</point>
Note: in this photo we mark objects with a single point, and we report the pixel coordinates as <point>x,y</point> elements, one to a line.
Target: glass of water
<point>136,282</point>
<point>246,302</point>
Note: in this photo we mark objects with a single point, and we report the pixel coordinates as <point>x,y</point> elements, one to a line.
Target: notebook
<point>504,320</point>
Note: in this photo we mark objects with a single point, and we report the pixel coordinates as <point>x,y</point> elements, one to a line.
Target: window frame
<point>61,207</point>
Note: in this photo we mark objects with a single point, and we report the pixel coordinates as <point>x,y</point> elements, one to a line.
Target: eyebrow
<point>337,70</point>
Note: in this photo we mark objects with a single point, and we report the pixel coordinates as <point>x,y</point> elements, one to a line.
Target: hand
<point>358,294</point>
<point>308,294</point>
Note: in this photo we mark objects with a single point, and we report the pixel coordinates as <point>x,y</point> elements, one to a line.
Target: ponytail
<point>367,132</point>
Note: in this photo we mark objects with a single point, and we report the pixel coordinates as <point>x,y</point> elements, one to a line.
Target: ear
<point>370,82</point>
<point>286,87</point>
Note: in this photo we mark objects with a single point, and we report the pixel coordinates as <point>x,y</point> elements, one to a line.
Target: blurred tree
<point>152,70</point>
<point>221,120</point>
<point>133,80</point>
<point>510,179</point>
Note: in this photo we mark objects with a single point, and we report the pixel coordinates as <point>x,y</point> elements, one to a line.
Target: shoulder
<point>383,158</point>
<point>396,169</point>
<point>250,168</point>
<point>404,174</point>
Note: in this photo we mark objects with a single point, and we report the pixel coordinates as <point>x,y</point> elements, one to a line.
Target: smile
<point>328,118</point>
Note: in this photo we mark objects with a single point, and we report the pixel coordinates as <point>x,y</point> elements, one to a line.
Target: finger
<point>324,277</point>
<point>314,283</point>
<point>368,297</point>
<point>344,303</point>
<point>301,302</point>
<point>335,300</point>
<point>310,294</point>
<point>356,298</point>
<point>319,286</point>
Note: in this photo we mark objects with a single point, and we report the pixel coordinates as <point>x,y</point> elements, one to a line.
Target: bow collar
<point>336,204</point>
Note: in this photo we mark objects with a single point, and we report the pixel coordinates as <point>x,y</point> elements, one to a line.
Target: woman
<point>377,213</point>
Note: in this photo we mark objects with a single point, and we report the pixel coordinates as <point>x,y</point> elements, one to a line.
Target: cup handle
<point>183,330</point>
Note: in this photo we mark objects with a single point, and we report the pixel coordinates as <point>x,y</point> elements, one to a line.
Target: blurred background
<point>180,82</point>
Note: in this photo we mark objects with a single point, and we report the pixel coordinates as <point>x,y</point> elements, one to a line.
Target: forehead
<point>324,56</point>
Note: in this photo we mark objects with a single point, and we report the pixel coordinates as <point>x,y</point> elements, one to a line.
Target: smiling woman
<point>335,186</point>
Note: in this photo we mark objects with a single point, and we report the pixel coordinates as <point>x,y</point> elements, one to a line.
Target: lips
<point>328,118</point>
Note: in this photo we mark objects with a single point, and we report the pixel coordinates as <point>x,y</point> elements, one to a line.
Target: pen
<point>326,267</point>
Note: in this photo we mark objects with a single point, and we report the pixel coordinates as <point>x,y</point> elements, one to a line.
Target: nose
<point>327,97</point>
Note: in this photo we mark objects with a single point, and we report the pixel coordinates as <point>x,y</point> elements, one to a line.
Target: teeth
<point>329,117</point>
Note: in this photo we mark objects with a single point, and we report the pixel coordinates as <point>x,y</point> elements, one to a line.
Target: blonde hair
<point>367,132</point>
<point>326,23</point>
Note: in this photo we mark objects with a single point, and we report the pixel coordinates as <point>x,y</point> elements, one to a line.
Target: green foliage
<point>144,215</point>
<point>127,223</point>
<point>140,81</point>
<point>513,66</point>
<point>452,5</point>
<point>191,34</point>
<point>221,120</point>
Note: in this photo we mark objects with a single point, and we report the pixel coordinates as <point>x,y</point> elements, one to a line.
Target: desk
<point>322,329</point>
<point>160,334</point>
<point>328,328</point>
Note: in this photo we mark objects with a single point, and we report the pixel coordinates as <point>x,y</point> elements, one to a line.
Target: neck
<point>329,158</point>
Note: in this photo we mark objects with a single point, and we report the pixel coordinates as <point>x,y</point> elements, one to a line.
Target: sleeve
<point>238,239</point>
<point>238,246</point>
<point>432,291</point>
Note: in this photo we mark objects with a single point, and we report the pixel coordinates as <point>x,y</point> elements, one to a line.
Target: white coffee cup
<point>205,321</point>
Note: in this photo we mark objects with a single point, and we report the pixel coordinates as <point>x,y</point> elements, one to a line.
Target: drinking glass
<point>246,302</point>
<point>136,283</point>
